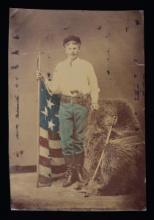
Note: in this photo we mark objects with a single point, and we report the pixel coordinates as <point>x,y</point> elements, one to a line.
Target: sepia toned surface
<point>56,198</point>
<point>112,41</point>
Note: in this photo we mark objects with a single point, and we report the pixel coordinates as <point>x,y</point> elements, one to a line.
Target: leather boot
<point>70,171</point>
<point>82,174</point>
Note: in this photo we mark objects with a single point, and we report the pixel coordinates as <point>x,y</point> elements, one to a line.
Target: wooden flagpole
<point>38,116</point>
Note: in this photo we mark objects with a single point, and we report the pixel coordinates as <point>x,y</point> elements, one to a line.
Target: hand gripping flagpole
<point>38,117</point>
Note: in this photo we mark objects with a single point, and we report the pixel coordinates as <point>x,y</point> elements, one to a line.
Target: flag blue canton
<point>49,108</point>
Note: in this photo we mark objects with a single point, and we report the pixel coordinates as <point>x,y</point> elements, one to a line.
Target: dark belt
<point>82,100</point>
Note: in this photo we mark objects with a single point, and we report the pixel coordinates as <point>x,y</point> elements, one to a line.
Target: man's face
<point>72,50</point>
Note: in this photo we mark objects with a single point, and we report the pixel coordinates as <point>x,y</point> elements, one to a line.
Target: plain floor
<point>26,196</point>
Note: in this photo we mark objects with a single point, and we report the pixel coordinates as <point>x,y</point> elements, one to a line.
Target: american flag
<point>51,163</point>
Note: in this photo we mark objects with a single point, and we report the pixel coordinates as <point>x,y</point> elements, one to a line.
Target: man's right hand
<point>39,75</point>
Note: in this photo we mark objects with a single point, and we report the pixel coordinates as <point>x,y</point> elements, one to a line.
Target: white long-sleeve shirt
<point>70,78</point>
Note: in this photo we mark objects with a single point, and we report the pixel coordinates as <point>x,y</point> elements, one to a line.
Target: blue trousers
<point>73,122</point>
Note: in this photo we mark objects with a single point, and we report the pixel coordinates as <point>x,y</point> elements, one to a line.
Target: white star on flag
<point>45,112</point>
<point>49,103</point>
<point>51,124</point>
<point>56,115</point>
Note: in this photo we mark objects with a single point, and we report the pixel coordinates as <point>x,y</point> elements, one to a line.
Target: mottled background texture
<point>113,41</point>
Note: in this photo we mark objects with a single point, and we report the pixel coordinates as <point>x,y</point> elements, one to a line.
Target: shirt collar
<point>75,61</point>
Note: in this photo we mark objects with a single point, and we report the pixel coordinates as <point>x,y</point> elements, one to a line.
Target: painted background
<point>113,41</point>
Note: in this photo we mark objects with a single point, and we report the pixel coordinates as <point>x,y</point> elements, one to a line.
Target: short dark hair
<point>71,38</point>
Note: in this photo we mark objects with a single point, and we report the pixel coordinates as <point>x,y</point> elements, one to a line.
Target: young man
<point>75,80</point>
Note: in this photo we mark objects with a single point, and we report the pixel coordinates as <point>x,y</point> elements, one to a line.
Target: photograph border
<point>5,206</point>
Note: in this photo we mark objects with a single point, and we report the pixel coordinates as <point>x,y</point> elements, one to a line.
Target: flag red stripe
<point>44,179</point>
<point>45,161</point>
<point>53,136</point>
<point>58,169</point>
<point>56,153</point>
<point>43,142</point>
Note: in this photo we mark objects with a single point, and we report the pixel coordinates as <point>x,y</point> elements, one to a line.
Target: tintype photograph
<point>77,110</point>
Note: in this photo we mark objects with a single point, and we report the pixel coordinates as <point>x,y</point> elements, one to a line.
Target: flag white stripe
<point>44,152</point>
<point>54,144</point>
<point>44,171</point>
<point>43,133</point>
<point>55,161</point>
